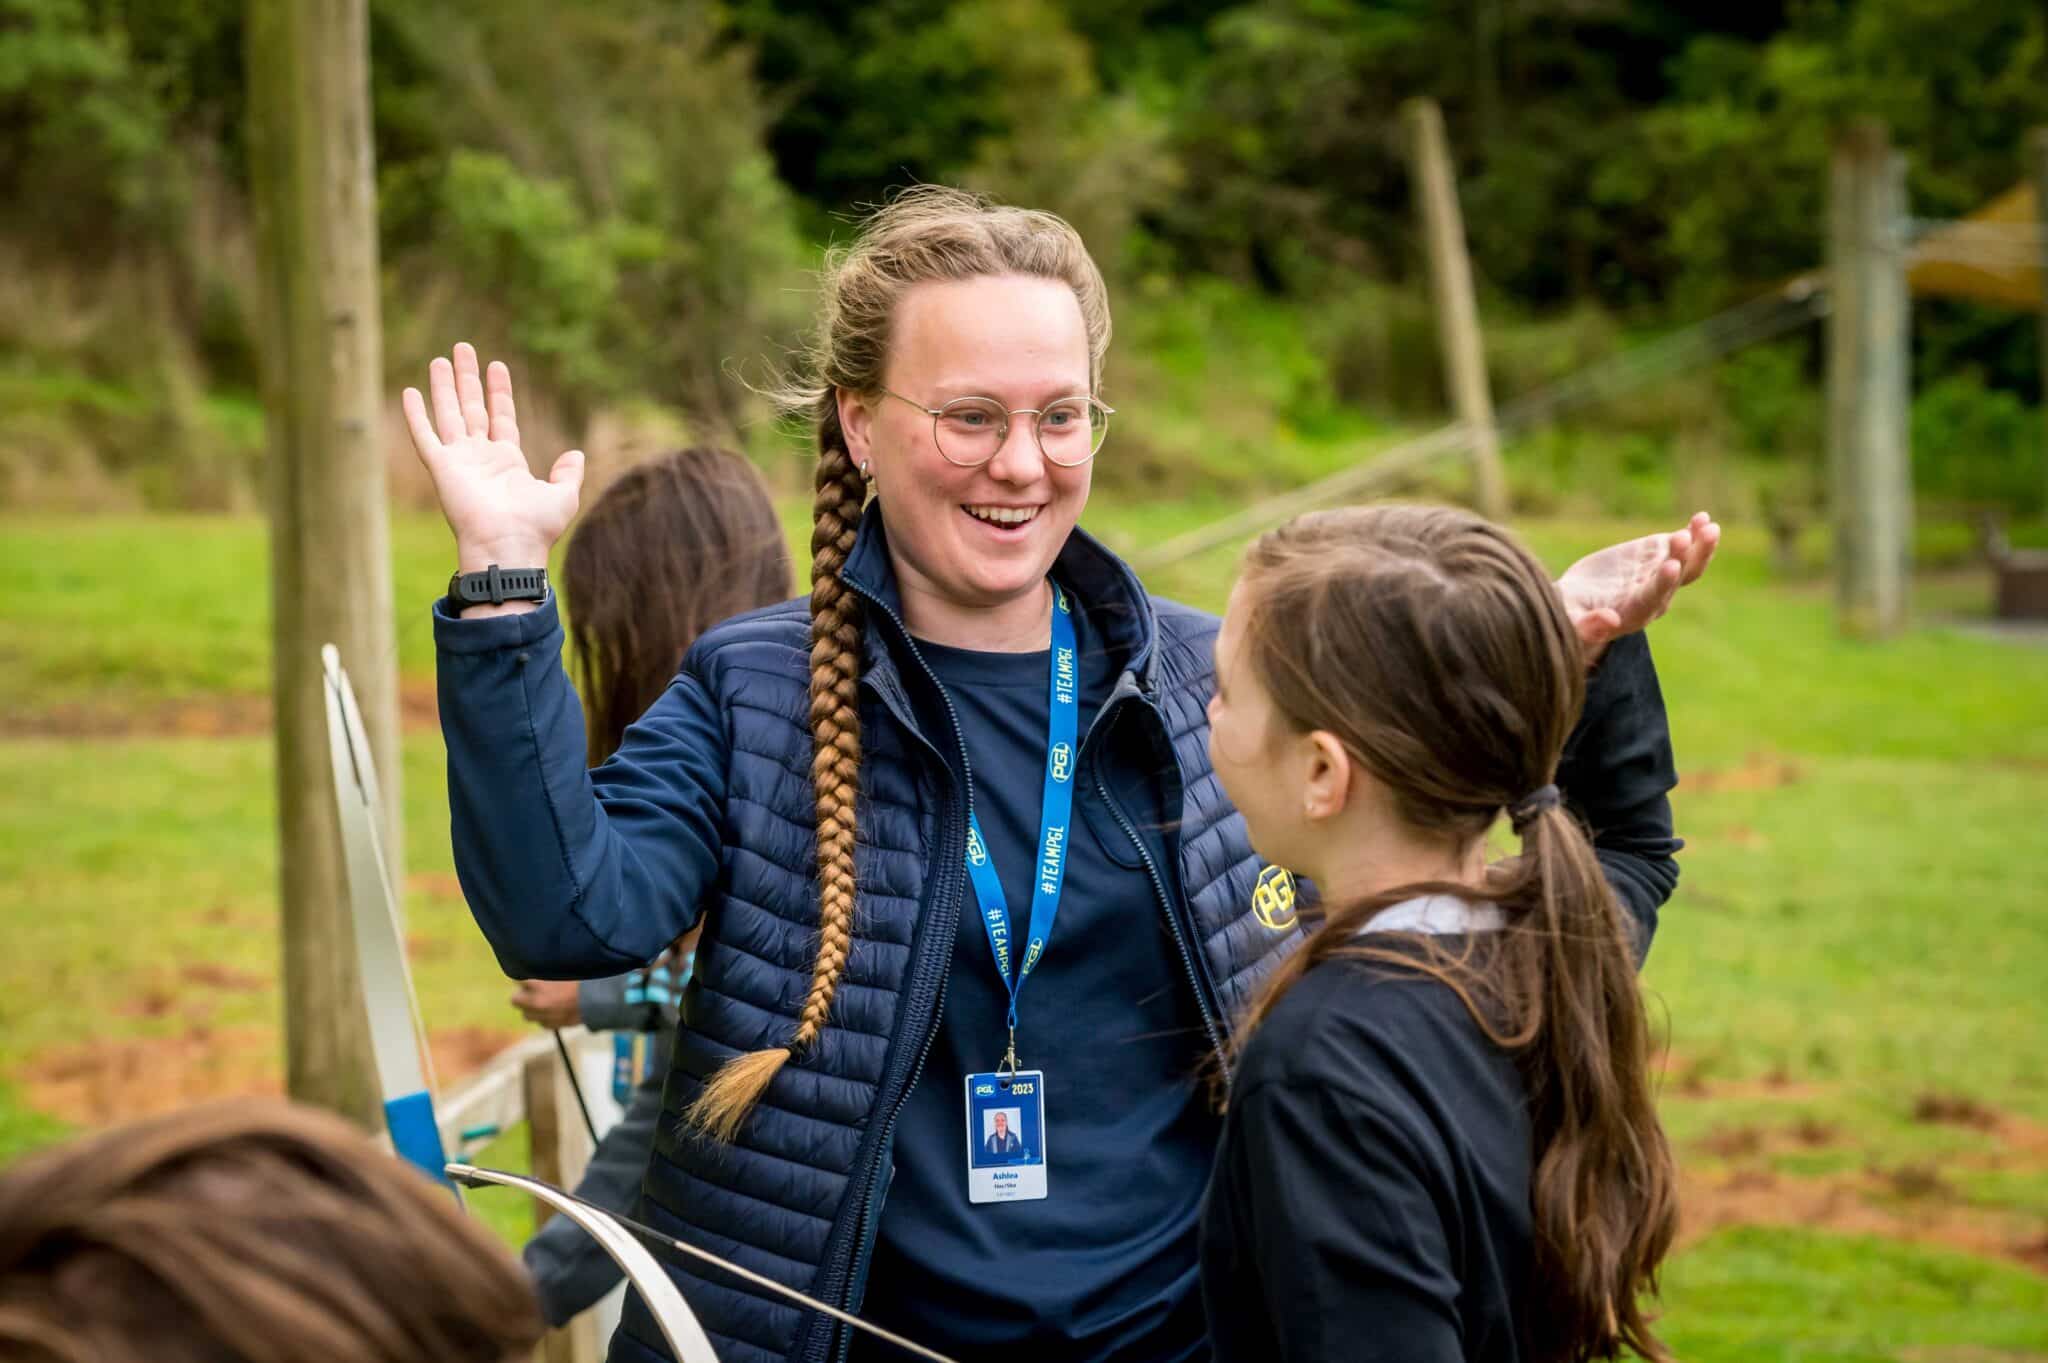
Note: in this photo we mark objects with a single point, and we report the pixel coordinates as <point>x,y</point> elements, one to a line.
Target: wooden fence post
<point>313,194</point>
<point>2037,170</point>
<point>1457,315</point>
<point>560,1149</point>
<point>1869,384</point>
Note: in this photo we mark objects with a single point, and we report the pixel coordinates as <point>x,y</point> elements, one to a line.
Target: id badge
<point>1006,1137</point>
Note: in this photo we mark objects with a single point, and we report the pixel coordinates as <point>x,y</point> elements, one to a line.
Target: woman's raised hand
<point>499,511</point>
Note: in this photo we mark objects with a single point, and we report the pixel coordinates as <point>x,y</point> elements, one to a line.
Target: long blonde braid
<point>835,777</point>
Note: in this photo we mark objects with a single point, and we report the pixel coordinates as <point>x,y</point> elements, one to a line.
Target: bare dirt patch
<point>435,884</point>
<point>1918,1201</point>
<point>1758,771</point>
<point>418,948</point>
<point>1674,1072</point>
<point>1756,1142</point>
<point>237,716</point>
<point>1867,1202</point>
<point>462,1051</point>
<point>153,1002</point>
<point>227,916</point>
<point>213,975</point>
<point>1950,1109</point>
<point>101,1082</point>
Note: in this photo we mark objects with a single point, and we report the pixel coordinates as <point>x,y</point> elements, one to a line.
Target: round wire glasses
<point>969,431</point>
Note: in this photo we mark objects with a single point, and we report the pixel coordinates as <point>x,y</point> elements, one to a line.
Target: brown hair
<point>927,234</point>
<point>672,547</point>
<point>248,1232</point>
<point>1435,648</point>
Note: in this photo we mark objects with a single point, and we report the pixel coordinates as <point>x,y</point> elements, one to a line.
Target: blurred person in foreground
<point>251,1231</point>
<point>672,547</point>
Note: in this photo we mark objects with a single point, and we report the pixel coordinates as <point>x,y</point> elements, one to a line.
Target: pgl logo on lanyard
<point>1273,899</point>
<point>1062,762</point>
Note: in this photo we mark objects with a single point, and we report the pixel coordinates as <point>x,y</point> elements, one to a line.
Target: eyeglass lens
<point>971,430</point>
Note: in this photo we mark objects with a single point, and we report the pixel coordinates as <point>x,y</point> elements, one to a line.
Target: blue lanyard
<point>1055,810</point>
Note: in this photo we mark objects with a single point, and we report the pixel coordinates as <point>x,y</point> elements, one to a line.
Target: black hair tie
<point>1525,811</point>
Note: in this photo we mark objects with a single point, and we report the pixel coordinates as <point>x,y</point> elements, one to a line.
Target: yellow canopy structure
<point>1991,256</point>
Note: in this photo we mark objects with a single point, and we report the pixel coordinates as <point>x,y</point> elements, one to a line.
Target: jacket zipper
<point>950,855</point>
<point>1187,958</point>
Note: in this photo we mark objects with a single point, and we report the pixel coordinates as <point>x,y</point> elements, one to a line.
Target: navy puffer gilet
<point>797,1195</point>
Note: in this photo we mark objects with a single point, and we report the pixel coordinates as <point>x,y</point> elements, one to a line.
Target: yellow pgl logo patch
<point>1273,898</point>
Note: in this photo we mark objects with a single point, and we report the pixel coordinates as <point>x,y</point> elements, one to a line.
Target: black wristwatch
<point>495,586</point>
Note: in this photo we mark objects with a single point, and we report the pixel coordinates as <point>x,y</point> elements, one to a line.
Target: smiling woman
<point>975,541</point>
<point>879,804</point>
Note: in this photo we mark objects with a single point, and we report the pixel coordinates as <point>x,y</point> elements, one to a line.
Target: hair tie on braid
<point>1530,807</point>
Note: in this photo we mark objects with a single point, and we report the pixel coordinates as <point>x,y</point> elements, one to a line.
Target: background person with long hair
<point>670,548</point>
<point>1441,1143</point>
<point>860,796</point>
<point>248,1231</point>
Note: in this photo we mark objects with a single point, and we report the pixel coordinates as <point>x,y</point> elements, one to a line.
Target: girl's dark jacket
<point>707,808</point>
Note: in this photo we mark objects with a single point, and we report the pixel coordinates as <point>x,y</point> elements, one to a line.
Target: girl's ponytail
<point>1603,1194</point>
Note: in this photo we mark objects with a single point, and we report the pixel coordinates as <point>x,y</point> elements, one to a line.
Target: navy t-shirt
<point>1371,1198</point>
<point>1104,1267</point>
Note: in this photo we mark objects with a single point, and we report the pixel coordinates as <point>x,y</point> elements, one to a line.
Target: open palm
<point>499,511</point>
<point>1622,588</point>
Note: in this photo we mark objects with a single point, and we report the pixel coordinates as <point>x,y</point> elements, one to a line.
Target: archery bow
<point>592,1217</point>
<point>398,1042</point>
<point>404,1067</point>
<point>678,1323</point>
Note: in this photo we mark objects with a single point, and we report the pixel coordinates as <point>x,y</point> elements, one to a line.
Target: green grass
<point>509,1213</point>
<point>1859,922</point>
<point>138,609</point>
<point>23,1129</point>
<point>1751,1295</point>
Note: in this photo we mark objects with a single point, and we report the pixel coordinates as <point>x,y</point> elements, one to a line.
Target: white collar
<point>1436,915</point>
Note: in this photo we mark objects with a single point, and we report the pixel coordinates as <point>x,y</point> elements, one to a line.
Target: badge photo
<point>1006,1137</point>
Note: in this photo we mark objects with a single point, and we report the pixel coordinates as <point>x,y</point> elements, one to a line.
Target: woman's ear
<point>855,419</point>
<point>1327,787</point>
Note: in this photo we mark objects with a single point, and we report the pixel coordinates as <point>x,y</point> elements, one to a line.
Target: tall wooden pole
<point>558,1153</point>
<point>313,191</point>
<point>1457,315</point>
<point>2037,168</point>
<point>1869,383</point>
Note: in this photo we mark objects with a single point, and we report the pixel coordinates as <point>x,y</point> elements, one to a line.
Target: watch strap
<point>495,586</point>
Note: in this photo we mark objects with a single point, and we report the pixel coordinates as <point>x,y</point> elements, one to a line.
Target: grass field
<point>1851,975</point>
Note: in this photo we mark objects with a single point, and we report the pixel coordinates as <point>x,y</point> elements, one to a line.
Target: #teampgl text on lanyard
<point>1055,815</point>
<point>1006,1136</point>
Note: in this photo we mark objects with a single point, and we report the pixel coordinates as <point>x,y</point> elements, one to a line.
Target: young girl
<point>1440,1141</point>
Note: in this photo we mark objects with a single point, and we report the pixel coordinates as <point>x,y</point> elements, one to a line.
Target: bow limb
<point>686,1338</point>
<point>397,1040</point>
<point>555,1197</point>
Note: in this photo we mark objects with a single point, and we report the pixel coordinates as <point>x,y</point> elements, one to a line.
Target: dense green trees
<point>627,194</point>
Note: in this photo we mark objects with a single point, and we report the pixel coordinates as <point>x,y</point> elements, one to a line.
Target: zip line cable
<point>1758,319</point>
